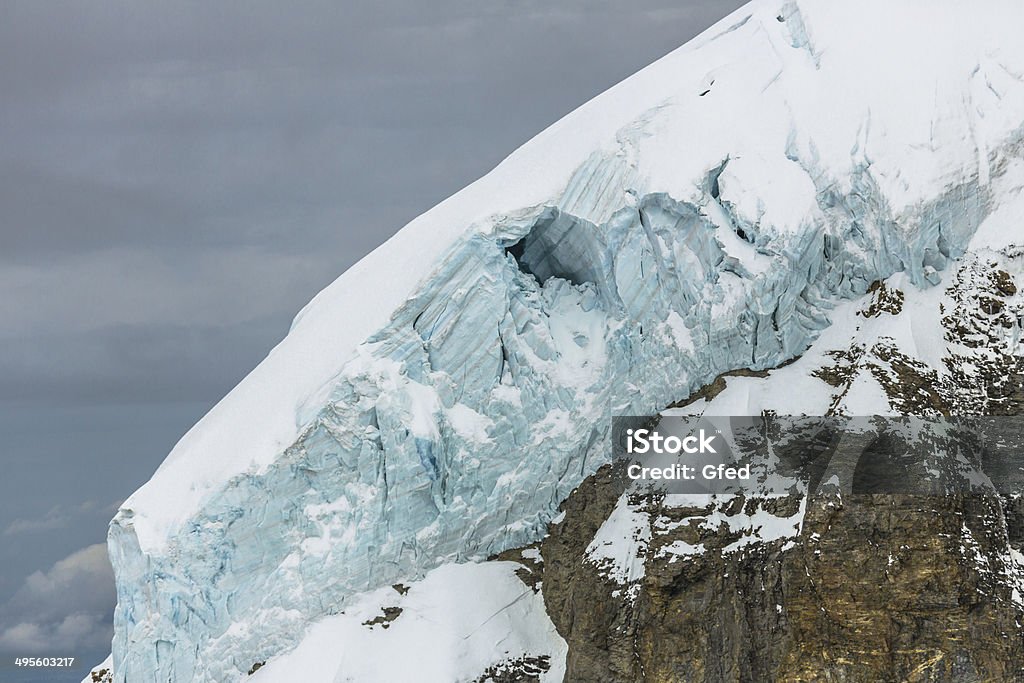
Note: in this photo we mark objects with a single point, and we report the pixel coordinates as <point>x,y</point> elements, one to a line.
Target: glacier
<point>438,401</point>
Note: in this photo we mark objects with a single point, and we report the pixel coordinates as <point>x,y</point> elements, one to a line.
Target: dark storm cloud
<point>178,179</point>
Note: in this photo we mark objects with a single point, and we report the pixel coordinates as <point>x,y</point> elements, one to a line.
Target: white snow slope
<point>437,402</point>
<point>455,624</point>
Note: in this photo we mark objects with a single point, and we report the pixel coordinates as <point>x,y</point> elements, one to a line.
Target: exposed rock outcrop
<point>844,584</point>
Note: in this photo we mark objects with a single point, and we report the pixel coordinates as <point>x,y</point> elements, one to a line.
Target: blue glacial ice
<point>686,243</point>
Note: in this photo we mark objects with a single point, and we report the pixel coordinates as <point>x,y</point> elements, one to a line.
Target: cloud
<point>64,609</point>
<point>54,519</point>
<point>22,638</point>
<point>58,517</point>
<point>74,329</point>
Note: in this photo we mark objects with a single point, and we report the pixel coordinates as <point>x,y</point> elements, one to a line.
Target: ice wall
<point>711,229</point>
<point>462,425</point>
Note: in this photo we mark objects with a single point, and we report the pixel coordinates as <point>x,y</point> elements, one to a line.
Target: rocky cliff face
<point>843,584</point>
<point>872,588</point>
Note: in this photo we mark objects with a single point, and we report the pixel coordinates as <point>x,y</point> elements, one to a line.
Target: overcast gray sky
<point>178,179</point>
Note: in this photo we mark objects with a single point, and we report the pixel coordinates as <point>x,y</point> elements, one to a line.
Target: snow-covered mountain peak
<point>440,399</point>
<point>783,94</point>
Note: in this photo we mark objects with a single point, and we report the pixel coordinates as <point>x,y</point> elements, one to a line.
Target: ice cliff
<point>439,400</point>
